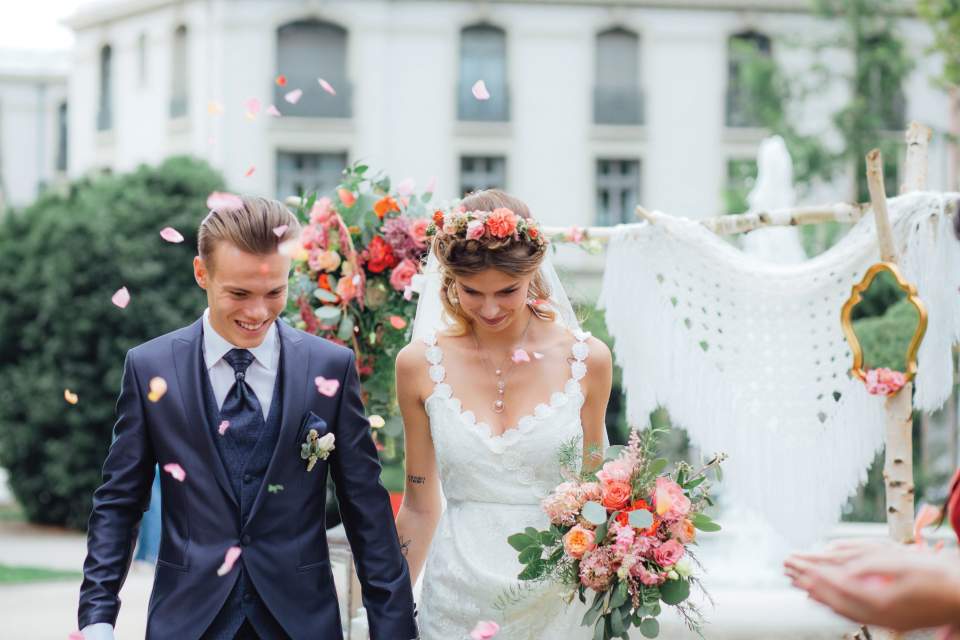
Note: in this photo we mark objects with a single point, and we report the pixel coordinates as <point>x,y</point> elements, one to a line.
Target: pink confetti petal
<point>405,187</point>
<point>214,108</point>
<point>218,200</point>
<point>480,90</point>
<point>249,171</point>
<point>121,298</point>
<point>537,355</point>
<point>293,97</point>
<point>279,231</point>
<point>431,184</point>
<point>70,397</point>
<point>229,559</point>
<point>176,471</point>
<point>327,387</point>
<point>158,388</point>
<point>520,356</point>
<point>326,86</point>
<point>222,429</point>
<point>485,630</point>
<point>273,111</point>
<point>75,635</point>
<point>252,106</point>
<point>926,516</point>
<point>171,235</point>
<point>398,323</point>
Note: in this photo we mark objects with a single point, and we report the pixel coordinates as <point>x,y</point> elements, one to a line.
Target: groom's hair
<point>253,227</point>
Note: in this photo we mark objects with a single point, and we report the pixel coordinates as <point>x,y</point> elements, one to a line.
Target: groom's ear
<point>200,272</point>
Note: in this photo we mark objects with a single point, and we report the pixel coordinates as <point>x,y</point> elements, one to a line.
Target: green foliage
<point>943,16</point>
<point>60,262</point>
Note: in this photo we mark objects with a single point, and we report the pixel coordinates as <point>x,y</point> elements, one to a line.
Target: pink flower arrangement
<point>402,274</point>
<point>619,533</point>
<point>884,382</point>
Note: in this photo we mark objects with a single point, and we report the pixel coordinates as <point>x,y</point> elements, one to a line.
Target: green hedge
<point>61,260</point>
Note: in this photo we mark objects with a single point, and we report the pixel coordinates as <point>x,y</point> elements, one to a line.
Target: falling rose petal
<point>171,235</point>
<point>70,396</point>
<point>485,630</point>
<point>264,268</point>
<point>75,635</point>
<point>281,80</point>
<point>377,422</point>
<point>211,141</point>
<point>229,559</point>
<point>273,111</point>
<point>480,90</point>
<point>176,471</point>
<point>158,387</point>
<point>405,187</point>
<point>289,248</point>
<point>249,171</point>
<point>224,200</point>
<point>293,97</point>
<point>252,105</point>
<point>431,184</point>
<point>927,515</point>
<point>214,108</point>
<point>346,197</point>
<point>398,323</point>
<point>326,86</point>
<point>121,298</point>
<point>279,231</point>
<point>327,387</point>
<point>222,429</point>
<point>520,356</point>
<point>537,355</point>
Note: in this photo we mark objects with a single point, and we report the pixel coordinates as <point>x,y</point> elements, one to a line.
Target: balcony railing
<point>104,119</point>
<point>496,109</point>
<point>317,103</point>
<point>617,105</point>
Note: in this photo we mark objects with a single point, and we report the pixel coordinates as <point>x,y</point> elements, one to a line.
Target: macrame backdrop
<point>749,356</point>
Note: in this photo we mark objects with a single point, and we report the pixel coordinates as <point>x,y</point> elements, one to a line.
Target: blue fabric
<point>245,448</point>
<point>148,542</point>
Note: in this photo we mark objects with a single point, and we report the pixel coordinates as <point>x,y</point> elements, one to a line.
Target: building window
<point>62,137</point>
<point>179,88</point>
<point>616,96</point>
<point>618,191</point>
<point>482,172</point>
<point>483,56</point>
<point>308,50</point>
<point>304,173</point>
<point>105,103</point>
<point>142,58</point>
<point>743,48</point>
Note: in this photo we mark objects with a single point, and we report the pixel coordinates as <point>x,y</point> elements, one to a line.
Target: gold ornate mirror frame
<point>856,296</point>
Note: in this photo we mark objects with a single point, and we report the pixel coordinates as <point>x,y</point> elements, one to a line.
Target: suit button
<point>245,540</point>
<point>247,478</point>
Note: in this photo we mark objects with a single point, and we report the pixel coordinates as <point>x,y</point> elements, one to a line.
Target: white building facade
<point>33,124</point>
<point>593,107</point>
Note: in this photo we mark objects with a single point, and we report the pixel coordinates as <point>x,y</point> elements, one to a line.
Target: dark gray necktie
<point>241,406</point>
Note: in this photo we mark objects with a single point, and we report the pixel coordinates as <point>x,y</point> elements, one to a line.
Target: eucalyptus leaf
<point>595,513</point>
<point>328,313</point>
<point>641,519</point>
<point>674,592</point>
<point>616,623</point>
<point>324,295</point>
<point>613,452</point>
<point>650,628</point>
<point>345,332</point>
<point>620,595</point>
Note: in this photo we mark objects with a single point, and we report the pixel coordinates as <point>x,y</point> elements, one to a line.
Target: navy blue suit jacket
<point>283,541</point>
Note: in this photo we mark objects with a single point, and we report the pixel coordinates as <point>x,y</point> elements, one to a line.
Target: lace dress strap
<point>580,351</point>
<point>434,357</point>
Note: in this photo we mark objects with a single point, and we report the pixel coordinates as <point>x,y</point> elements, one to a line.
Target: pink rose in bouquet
<point>668,553</point>
<point>321,211</point>
<point>669,500</point>
<point>590,491</point>
<point>418,231</point>
<point>616,495</point>
<point>402,274</point>
<point>563,505</point>
<point>618,470</point>
<point>578,541</point>
<point>646,577</point>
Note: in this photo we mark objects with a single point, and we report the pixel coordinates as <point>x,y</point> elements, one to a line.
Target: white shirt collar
<point>216,346</point>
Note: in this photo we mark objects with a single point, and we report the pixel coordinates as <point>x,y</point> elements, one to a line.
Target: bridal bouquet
<point>623,534</point>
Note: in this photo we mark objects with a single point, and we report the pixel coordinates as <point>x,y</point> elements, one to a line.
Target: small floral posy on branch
<point>884,382</point>
<point>623,533</point>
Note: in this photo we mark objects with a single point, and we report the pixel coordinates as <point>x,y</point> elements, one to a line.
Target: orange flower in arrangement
<point>324,282</point>
<point>532,232</point>
<point>384,206</point>
<point>616,495</point>
<point>438,218</point>
<point>624,517</point>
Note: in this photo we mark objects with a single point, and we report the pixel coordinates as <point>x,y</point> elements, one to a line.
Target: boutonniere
<point>316,448</point>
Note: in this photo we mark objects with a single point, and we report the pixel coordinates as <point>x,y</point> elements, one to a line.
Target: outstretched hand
<point>882,583</point>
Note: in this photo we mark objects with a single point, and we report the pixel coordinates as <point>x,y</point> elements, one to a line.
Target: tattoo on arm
<point>416,479</point>
<point>404,546</point>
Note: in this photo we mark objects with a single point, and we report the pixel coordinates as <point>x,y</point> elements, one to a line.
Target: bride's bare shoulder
<point>411,358</point>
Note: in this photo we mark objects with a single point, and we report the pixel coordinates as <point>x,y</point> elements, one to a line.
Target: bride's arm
<point>422,505</point>
<point>593,414</point>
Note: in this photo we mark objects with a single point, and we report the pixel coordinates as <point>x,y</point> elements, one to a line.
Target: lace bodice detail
<point>519,466</point>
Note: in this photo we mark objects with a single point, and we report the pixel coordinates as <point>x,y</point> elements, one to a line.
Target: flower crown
<point>496,225</point>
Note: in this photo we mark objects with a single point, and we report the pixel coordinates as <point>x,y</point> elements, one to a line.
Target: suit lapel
<point>295,363</point>
<point>188,358</point>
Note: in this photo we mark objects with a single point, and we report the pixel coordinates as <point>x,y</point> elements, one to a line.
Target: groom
<point>243,393</point>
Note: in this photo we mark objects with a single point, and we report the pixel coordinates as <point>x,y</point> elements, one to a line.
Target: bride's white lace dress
<point>493,486</point>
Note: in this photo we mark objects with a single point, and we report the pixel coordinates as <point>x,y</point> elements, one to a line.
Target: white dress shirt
<point>261,376</point>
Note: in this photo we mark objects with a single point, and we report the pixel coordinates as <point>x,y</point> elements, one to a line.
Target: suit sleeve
<point>118,506</point>
<point>368,519</point>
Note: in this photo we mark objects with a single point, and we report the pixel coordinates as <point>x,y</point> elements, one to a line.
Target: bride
<point>494,382</point>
